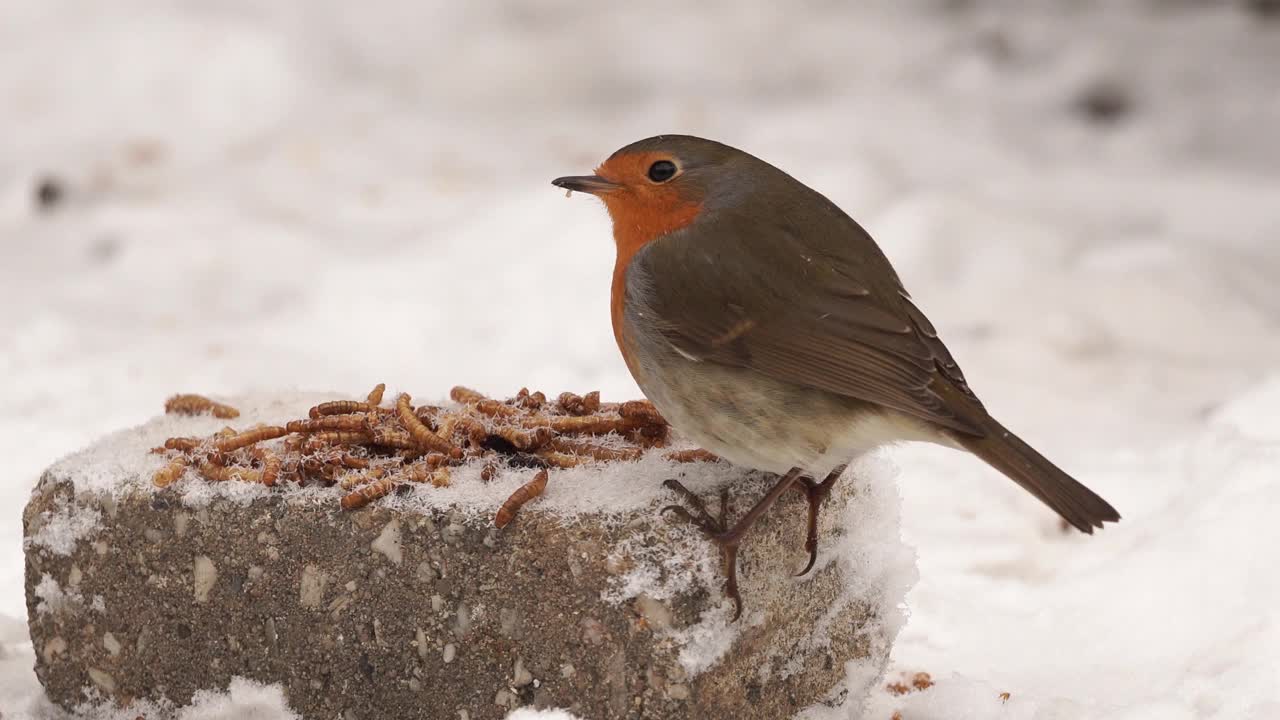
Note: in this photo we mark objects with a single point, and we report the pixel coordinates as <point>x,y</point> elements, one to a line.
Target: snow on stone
<point>62,528</point>
<point>529,714</point>
<point>52,598</point>
<point>244,699</point>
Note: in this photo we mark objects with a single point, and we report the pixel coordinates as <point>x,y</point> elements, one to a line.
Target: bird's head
<point>661,184</point>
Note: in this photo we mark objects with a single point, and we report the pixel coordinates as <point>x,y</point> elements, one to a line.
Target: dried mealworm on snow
<point>435,459</point>
<point>921,681</point>
<point>586,425</point>
<point>357,479</point>
<point>529,400</point>
<point>561,460</point>
<point>641,411</point>
<point>191,404</point>
<point>398,439</point>
<point>522,495</point>
<point>368,493</point>
<point>320,440</point>
<point>271,464</point>
<point>249,437</point>
<point>223,473</point>
<point>530,439</point>
<point>185,444</point>
<point>493,408</point>
<point>341,407</point>
<point>420,433</point>
<point>438,477</point>
<point>692,456</point>
<point>571,403</point>
<point>424,473</point>
<point>593,451</point>
<point>347,460</point>
<point>375,395</point>
<point>170,473</point>
<point>472,429</point>
<point>428,414</point>
<point>349,423</point>
<point>574,404</point>
<point>465,395</point>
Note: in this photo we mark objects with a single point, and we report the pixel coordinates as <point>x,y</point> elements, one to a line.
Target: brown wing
<point>818,311</point>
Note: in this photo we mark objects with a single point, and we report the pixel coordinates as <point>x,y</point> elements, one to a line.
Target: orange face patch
<point>641,209</point>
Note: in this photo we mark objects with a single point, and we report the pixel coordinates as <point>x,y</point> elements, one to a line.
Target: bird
<point>766,325</point>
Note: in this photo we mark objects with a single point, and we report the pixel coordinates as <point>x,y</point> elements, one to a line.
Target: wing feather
<point>803,313</point>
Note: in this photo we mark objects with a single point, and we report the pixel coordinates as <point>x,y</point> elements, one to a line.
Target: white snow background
<point>323,195</point>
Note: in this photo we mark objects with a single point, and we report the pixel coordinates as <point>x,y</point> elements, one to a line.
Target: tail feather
<point>1007,453</point>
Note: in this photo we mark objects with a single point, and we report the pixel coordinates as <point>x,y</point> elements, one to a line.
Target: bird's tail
<point>1007,453</point>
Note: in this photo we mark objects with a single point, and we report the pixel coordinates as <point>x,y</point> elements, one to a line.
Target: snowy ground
<point>324,195</point>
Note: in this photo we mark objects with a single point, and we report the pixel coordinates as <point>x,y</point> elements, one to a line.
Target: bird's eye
<point>662,171</point>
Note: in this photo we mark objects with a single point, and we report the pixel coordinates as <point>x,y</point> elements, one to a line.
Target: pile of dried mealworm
<point>370,450</point>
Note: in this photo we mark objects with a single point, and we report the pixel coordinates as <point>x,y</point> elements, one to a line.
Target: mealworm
<point>347,460</point>
<point>642,411</point>
<point>691,456</point>
<point>368,493</point>
<point>392,438</point>
<point>420,433</point>
<point>341,407</point>
<point>465,395</point>
<point>439,477</point>
<point>249,437</point>
<point>271,464</point>
<point>348,423</point>
<point>587,424</point>
<point>185,444</point>
<point>528,400</point>
<point>559,459</point>
<point>191,404</point>
<point>223,473</point>
<point>321,440</point>
<point>522,495</point>
<point>531,439</point>
<point>170,473</point>
<point>593,451</point>
<point>360,478</point>
<point>574,404</point>
<point>375,395</point>
<point>494,408</point>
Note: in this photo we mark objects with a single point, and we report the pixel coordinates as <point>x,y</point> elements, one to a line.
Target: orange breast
<point>636,224</point>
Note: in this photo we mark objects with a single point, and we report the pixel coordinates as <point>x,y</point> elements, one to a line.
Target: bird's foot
<point>816,493</point>
<point>699,515</point>
<point>718,530</point>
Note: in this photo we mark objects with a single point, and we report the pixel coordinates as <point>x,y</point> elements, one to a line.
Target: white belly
<point>754,421</point>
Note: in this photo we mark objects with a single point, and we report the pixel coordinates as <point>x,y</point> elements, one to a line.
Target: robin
<point>766,325</point>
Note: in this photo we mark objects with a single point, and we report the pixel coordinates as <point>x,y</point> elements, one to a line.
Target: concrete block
<point>417,607</point>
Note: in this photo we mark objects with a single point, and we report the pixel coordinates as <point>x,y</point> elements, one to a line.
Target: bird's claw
<point>815,493</point>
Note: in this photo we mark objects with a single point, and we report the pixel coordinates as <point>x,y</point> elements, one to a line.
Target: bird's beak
<point>593,184</point>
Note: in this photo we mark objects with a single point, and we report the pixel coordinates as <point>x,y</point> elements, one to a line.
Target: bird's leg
<point>728,538</point>
<point>816,493</point>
